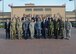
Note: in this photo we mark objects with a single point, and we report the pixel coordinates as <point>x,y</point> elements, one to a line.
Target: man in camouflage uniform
<point>13,28</point>
<point>61,28</point>
<point>19,28</point>
<point>56,28</point>
<point>51,28</point>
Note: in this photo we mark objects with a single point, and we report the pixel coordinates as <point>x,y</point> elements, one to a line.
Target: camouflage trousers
<point>50,33</point>
<point>20,34</point>
<point>13,34</point>
<point>61,33</point>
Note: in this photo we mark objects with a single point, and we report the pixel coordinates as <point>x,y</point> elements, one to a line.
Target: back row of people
<point>37,27</point>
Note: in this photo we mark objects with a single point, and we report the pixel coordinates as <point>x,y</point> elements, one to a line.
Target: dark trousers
<point>49,33</point>
<point>60,33</point>
<point>56,33</point>
<point>26,34</point>
<point>7,34</point>
<point>43,33</point>
<point>46,32</point>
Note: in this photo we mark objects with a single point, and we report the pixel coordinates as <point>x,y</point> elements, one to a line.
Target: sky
<point>69,4</point>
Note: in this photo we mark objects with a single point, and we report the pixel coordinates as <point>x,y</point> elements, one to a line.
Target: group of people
<point>37,27</point>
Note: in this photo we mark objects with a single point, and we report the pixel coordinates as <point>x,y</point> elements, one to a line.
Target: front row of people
<point>37,27</point>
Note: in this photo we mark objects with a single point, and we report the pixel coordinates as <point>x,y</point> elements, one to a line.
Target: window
<point>38,9</point>
<point>47,9</point>
<point>28,9</point>
<point>48,15</point>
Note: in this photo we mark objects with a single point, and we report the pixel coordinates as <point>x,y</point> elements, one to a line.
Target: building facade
<point>71,16</point>
<point>4,16</point>
<point>37,10</point>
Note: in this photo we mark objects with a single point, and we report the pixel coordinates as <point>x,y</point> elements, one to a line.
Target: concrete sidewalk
<point>38,46</point>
